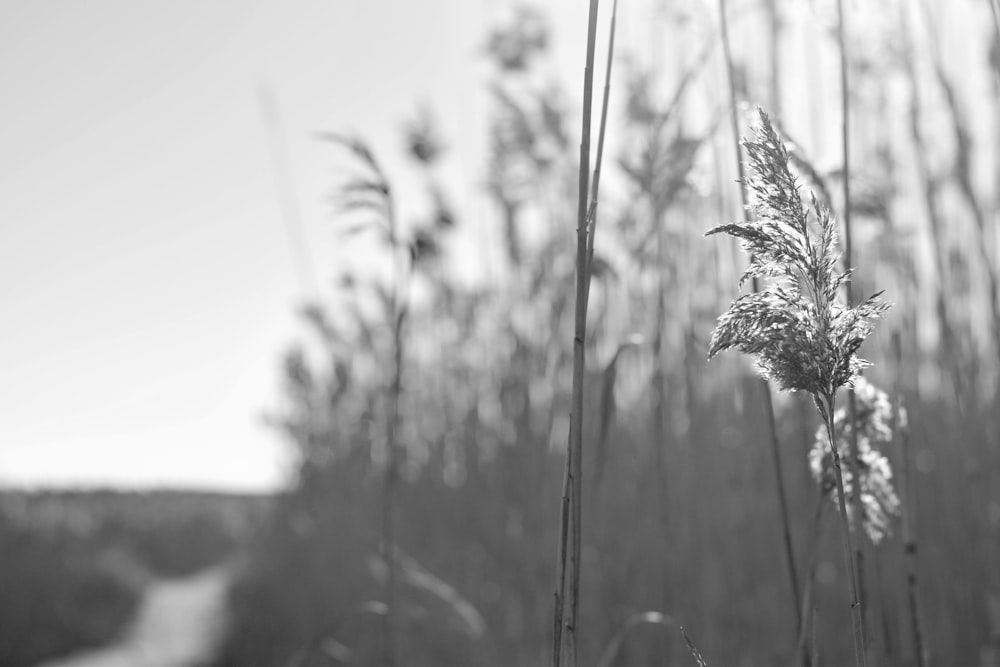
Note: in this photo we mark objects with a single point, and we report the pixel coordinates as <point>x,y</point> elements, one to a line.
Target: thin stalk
<point>963,177</point>
<point>930,187</point>
<point>765,387</point>
<point>815,636</point>
<point>848,259</point>
<point>995,7</point>
<point>560,597</point>
<point>570,615</point>
<point>826,406</point>
<point>774,27</point>
<point>592,213</point>
<point>660,409</point>
<point>807,598</point>
<point>392,465</point>
<point>909,539</point>
<point>283,186</point>
<point>634,621</point>
<point>885,622</point>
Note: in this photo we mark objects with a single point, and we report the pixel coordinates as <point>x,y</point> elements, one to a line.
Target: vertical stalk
<point>592,211</point>
<point>765,387</point>
<point>962,171</point>
<point>909,539</point>
<point>774,27</point>
<point>930,188</point>
<point>815,636</point>
<point>995,10</point>
<point>570,611</point>
<point>392,465</point>
<point>826,406</point>
<point>848,259</point>
<point>963,177</point>
<point>807,598</point>
<point>560,597</point>
<point>660,409</point>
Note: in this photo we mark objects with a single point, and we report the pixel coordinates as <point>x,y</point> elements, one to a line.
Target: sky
<point>148,210</point>
<point>148,283</point>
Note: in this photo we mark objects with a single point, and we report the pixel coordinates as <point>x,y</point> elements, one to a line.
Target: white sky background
<point>146,283</point>
<point>147,286</point>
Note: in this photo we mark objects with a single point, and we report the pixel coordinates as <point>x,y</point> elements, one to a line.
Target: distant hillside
<point>75,562</point>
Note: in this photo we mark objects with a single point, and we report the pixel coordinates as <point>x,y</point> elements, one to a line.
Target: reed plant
<point>765,387</point>
<point>931,190</point>
<point>901,431</point>
<point>567,599</point>
<point>798,331</point>
<point>855,455</point>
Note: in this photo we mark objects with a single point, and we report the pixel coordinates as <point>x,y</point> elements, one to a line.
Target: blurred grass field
<point>464,385</point>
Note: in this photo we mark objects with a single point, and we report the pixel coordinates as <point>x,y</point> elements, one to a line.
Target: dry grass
<point>484,411</point>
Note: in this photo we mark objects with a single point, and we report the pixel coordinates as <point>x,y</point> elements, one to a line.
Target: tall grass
<point>797,331</point>
<point>858,565</point>
<point>567,615</point>
<point>901,432</point>
<point>489,381</point>
<point>765,387</point>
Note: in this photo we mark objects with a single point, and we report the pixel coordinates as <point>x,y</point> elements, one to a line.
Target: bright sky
<point>146,281</point>
<point>146,278</point>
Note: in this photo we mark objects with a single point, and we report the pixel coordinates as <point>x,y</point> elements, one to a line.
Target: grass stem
<point>826,406</point>
<point>930,187</point>
<point>765,388</point>
<point>810,584</point>
<point>570,607</point>
<point>852,410</point>
<point>901,430</point>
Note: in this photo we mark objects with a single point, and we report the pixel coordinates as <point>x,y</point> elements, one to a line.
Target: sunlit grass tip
<point>799,333</point>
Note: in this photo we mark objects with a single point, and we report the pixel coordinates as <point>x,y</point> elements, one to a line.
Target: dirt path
<point>177,624</point>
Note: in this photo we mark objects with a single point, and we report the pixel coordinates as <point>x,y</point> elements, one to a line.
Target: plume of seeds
<point>874,419</point>
<point>800,335</point>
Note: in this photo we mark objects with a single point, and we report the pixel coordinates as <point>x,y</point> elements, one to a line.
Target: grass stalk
<point>931,189</point>
<point>374,192</point>
<point>774,56</point>
<point>634,621</point>
<point>995,7</point>
<point>392,466</point>
<point>569,605</point>
<point>660,410</point>
<point>596,181</point>
<point>815,636</point>
<point>963,178</point>
<point>765,387</point>
<point>901,430</point>
<point>800,335</point>
<point>826,407</point>
<point>845,135</point>
<point>808,595</point>
<point>695,653</point>
<point>560,596</point>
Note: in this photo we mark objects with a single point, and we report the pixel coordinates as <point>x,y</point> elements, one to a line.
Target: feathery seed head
<point>799,334</point>
<point>873,423</point>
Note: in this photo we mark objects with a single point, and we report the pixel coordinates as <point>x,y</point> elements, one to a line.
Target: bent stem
<point>825,405</point>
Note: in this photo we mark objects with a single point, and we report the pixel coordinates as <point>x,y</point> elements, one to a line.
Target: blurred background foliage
<point>680,511</point>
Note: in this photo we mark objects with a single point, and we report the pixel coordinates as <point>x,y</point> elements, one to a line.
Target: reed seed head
<point>800,335</point>
<point>874,419</point>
